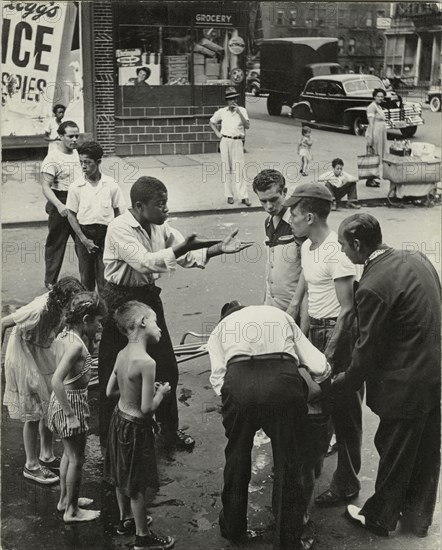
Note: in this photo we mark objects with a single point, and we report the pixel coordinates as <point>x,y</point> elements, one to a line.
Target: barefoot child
<point>68,409</point>
<point>304,149</point>
<point>29,366</point>
<point>130,463</point>
<point>51,131</point>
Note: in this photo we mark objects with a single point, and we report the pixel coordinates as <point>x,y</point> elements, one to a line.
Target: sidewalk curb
<point>372,202</point>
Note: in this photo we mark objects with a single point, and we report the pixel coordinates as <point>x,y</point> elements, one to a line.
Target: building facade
<point>140,77</point>
<point>361,44</point>
<point>413,49</point>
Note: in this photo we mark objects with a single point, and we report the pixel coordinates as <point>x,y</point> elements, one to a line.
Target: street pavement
<point>188,502</point>
<point>194,181</point>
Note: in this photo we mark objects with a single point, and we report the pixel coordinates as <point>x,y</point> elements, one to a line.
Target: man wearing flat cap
<point>255,354</point>
<point>229,124</point>
<point>328,277</point>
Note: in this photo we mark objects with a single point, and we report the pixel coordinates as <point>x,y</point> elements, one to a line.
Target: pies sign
<point>236,45</point>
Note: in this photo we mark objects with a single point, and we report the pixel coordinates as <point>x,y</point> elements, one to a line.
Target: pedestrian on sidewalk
<point>229,124</point>
<point>59,169</point>
<point>139,246</point>
<point>398,355</point>
<point>94,200</point>
<point>130,462</point>
<point>340,183</point>
<point>68,412</point>
<point>376,134</point>
<point>51,131</point>
<point>29,366</point>
<point>260,385</point>
<point>305,149</point>
<point>328,277</point>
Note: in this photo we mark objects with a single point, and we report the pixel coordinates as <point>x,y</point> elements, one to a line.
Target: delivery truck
<point>288,63</point>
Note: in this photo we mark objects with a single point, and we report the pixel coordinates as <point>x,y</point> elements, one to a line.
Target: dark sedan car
<point>340,101</point>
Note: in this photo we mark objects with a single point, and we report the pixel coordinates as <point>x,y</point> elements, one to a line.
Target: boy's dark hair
<point>376,91</point>
<point>266,179</point>
<point>305,129</point>
<point>58,106</point>
<point>363,227</point>
<point>84,303</point>
<point>145,189</point>
<point>91,149</point>
<point>316,206</point>
<point>127,314</point>
<point>337,161</point>
<point>66,124</point>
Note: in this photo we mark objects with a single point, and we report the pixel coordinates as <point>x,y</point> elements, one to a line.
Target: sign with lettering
<point>214,19</point>
<point>383,23</point>
<point>38,67</point>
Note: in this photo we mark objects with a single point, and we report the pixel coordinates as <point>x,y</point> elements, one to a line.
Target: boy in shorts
<point>130,463</point>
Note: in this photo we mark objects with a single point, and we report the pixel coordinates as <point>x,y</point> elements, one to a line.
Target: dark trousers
<point>268,394</point>
<point>408,473</point>
<point>112,342</point>
<point>91,264</point>
<point>59,230</point>
<point>340,192</point>
<point>346,414</point>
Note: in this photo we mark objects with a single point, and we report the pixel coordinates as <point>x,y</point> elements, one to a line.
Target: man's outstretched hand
<point>229,245</point>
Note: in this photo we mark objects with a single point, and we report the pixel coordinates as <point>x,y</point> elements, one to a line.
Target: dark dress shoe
<point>328,498</point>
<point>246,202</point>
<point>230,200</point>
<point>306,544</point>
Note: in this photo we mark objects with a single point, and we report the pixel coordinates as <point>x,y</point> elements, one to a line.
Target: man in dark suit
<point>398,356</point>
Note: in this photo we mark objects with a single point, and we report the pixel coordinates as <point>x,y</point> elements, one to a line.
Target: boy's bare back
<point>135,370</point>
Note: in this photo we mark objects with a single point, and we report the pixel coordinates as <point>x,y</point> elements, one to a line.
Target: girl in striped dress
<point>68,412</point>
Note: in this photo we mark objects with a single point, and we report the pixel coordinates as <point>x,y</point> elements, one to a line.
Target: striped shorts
<point>57,421</point>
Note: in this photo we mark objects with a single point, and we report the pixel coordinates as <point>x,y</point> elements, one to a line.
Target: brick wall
<point>165,131</point>
<point>104,76</point>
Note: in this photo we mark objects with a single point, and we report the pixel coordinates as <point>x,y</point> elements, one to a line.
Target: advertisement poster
<point>41,65</point>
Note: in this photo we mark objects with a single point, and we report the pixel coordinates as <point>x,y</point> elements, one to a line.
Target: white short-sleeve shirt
<point>65,167</point>
<point>321,267</point>
<point>231,123</point>
<point>95,203</point>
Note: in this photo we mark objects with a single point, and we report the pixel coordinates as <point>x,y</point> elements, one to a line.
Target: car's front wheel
<point>359,127</point>
<point>409,132</point>
<point>435,104</point>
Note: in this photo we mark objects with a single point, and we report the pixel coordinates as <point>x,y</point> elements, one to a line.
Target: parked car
<point>253,82</point>
<point>434,98</point>
<point>340,101</point>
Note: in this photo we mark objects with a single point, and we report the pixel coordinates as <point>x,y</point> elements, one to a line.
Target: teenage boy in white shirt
<point>94,200</point>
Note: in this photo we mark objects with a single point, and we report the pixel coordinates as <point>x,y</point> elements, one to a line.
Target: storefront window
<point>214,56</point>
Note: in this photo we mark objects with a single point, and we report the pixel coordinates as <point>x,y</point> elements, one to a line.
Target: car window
<point>321,86</point>
<point>334,88</point>
<point>311,88</point>
<point>362,85</point>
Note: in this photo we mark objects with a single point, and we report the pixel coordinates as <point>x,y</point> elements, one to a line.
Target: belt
<point>93,226</point>
<point>232,137</point>
<point>259,358</point>
<point>325,322</point>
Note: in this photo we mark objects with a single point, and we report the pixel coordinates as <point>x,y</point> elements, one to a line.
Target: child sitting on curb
<point>340,183</point>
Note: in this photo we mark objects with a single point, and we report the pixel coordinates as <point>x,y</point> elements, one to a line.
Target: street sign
<point>383,23</point>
